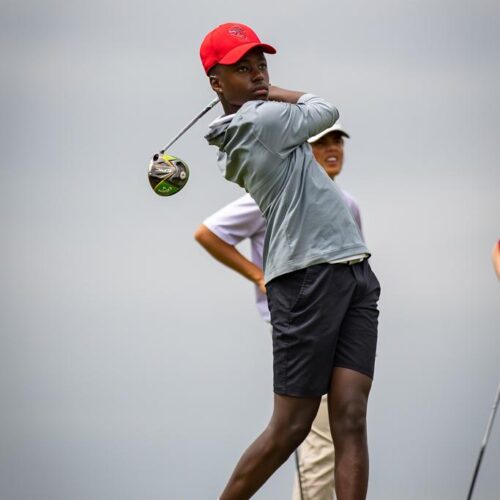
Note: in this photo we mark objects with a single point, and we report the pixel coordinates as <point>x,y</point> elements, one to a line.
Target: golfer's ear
<point>215,83</point>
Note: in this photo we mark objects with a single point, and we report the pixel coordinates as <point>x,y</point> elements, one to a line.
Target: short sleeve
<point>237,221</point>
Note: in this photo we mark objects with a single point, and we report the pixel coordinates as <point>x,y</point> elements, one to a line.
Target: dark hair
<point>212,71</point>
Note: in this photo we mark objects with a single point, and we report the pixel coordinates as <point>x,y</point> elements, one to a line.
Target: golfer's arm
<point>283,95</point>
<point>227,254</point>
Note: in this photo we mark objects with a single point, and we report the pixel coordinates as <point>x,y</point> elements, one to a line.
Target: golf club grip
<point>492,417</point>
<point>208,107</point>
<point>485,442</point>
<point>476,471</point>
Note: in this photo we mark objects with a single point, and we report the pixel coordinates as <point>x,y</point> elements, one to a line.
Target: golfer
<point>322,294</point>
<point>241,219</point>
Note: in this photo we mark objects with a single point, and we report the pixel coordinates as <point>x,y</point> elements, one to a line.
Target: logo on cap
<point>238,32</point>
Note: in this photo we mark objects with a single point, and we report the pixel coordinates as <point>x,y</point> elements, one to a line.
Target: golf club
<point>485,441</point>
<point>299,478</point>
<point>168,174</point>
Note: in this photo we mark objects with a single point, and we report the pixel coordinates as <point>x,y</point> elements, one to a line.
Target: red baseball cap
<point>228,43</point>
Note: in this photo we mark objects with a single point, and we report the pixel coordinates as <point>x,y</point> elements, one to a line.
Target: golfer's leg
<point>316,460</point>
<point>289,425</point>
<point>347,403</point>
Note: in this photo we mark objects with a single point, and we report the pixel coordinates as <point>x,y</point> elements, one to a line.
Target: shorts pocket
<point>311,277</point>
<point>285,291</point>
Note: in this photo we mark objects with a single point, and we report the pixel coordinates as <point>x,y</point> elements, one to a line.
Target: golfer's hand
<point>283,95</point>
<point>260,283</point>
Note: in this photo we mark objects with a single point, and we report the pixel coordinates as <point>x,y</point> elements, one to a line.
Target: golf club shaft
<point>485,441</point>
<point>192,122</point>
<point>299,477</point>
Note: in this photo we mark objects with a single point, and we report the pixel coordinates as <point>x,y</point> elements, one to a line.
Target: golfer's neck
<point>229,108</point>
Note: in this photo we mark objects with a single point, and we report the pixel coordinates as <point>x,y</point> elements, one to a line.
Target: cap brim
<point>326,132</point>
<point>233,56</point>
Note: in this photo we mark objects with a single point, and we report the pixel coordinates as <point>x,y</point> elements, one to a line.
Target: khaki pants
<point>316,460</point>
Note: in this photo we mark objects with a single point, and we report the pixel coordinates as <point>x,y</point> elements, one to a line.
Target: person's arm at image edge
<point>229,256</point>
<point>495,258</point>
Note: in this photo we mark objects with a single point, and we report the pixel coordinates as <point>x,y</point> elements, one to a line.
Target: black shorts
<point>323,316</point>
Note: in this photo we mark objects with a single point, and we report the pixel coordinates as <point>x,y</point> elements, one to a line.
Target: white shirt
<point>242,219</point>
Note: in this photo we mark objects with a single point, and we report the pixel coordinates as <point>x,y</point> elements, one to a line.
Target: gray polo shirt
<point>263,148</point>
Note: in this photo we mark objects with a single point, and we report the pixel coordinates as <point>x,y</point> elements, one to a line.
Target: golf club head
<point>167,174</point>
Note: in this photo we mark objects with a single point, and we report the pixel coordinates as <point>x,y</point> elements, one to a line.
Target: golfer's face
<point>246,80</point>
<point>329,153</point>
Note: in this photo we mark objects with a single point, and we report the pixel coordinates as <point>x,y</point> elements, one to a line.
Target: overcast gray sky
<point>132,365</point>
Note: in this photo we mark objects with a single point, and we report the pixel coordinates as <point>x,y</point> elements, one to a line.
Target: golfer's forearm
<point>283,95</point>
<point>227,254</point>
